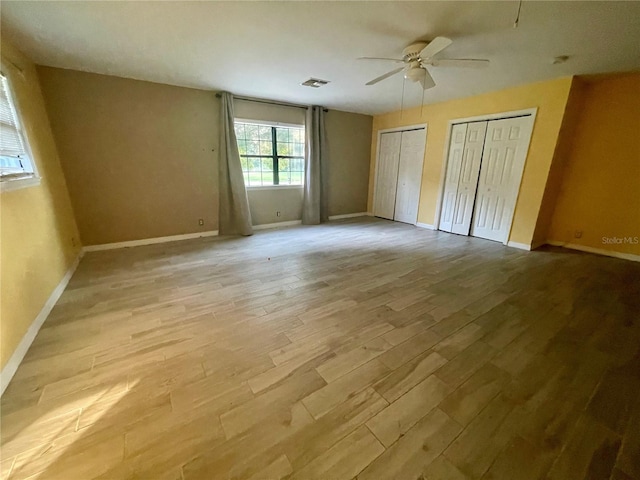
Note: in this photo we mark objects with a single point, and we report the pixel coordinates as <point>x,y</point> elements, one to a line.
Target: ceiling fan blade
<point>386,75</point>
<point>436,45</point>
<point>427,80</point>
<point>397,60</point>
<point>461,62</point>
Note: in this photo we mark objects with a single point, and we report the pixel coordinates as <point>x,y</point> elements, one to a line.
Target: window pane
<point>298,149</point>
<point>297,164</point>
<point>297,178</point>
<point>285,178</point>
<point>267,165</point>
<point>282,134</point>
<point>267,178</point>
<point>239,128</point>
<point>253,131</point>
<point>12,144</point>
<point>243,162</point>
<point>284,164</point>
<point>254,164</point>
<point>285,148</point>
<point>246,178</point>
<point>255,179</point>
<point>266,148</point>
<point>242,146</point>
<point>253,148</point>
<point>265,133</point>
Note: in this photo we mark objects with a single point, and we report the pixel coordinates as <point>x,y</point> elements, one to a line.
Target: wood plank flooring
<point>357,349</point>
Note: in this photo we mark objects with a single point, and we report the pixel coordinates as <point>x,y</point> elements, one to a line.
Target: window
<point>15,162</point>
<point>271,154</point>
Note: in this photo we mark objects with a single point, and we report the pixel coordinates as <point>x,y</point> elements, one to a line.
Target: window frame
<point>26,179</point>
<point>274,152</point>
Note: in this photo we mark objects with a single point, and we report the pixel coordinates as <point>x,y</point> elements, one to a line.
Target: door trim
<point>532,112</point>
<point>391,130</point>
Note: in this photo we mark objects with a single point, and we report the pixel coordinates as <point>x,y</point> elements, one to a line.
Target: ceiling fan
<point>417,56</point>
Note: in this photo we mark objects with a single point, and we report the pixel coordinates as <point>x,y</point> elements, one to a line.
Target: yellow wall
<point>559,161</point>
<point>600,191</point>
<point>549,97</point>
<point>37,227</point>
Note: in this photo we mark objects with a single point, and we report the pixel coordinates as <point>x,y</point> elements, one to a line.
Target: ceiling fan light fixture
<point>414,74</point>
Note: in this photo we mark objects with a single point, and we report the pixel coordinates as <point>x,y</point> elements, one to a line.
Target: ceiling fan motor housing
<point>412,52</point>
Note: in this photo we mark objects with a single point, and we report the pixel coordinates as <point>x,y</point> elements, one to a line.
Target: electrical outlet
<point>277,214</point>
<point>578,234</point>
<point>200,221</point>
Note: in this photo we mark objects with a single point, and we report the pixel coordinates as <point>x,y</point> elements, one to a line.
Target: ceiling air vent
<point>315,83</point>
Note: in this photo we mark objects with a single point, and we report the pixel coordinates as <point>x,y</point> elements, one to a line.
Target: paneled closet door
<point>452,176</point>
<point>468,182</point>
<point>410,175</point>
<point>387,175</point>
<point>505,151</point>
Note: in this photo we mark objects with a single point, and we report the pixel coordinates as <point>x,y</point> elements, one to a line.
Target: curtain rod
<point>271,102</point>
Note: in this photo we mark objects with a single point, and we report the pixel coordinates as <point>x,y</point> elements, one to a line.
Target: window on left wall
<point>16,165</point>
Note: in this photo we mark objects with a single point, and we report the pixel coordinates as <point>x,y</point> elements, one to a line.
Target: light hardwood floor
<point>360,348</point>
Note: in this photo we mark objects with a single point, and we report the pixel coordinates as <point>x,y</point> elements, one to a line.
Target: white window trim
<point>9,185</point>
<point>29,179</point>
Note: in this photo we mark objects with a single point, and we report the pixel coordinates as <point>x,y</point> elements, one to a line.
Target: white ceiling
<point>266,49</point>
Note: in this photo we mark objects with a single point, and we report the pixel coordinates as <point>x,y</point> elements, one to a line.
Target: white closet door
<point>505,152</point>
<point>387,175</point>
<point>470,169</point>
<point>410,175</point>
<point>452,176</point>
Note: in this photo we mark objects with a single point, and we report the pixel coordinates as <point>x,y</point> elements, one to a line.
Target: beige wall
<point>266,203</point>
<point>38,235</point>
<point>349,145</point>
<point>550,98</point>
<point>140,158</point>
<point>267,112</point>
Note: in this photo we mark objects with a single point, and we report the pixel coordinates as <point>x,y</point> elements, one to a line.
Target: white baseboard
<point>521,246</point>
<point>598,251</point>
<point>12,365</point>
<point>425,225</point>
<point>149,241</point>
<point>349,215</point>
<point>266,226</point>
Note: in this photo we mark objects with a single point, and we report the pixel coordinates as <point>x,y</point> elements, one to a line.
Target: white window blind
<point>14,159</point>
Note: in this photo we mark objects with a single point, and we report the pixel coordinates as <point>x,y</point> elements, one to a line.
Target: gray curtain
<point>233,207</point>
<point>315,204</point>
